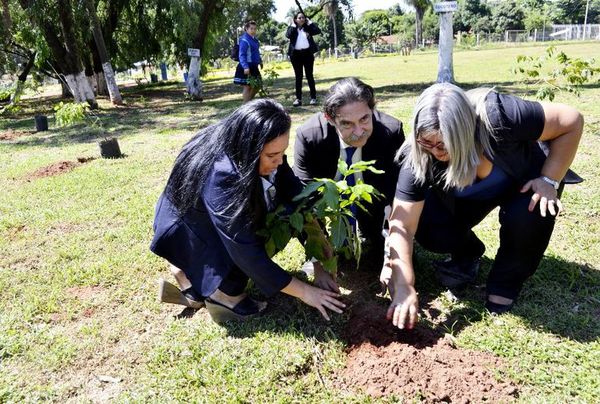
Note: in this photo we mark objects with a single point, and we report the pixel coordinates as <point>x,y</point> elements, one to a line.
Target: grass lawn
<point>79,318</point>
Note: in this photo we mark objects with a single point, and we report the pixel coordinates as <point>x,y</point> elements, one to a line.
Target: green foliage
<point>68,114</point>
<point>269,75</point>
<point>554,72</point>
<point>327,202</point>
<point>5,94</point>
<point>363,33</point>
<point>507,15</point>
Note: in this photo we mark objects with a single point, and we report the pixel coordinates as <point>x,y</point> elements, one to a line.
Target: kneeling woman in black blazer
<point>225,180</point>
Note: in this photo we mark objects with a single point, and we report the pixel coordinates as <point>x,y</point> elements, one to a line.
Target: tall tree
<point>63,44</point>
<point>194,84</point>
<point>109,75</point>
<point>420,7</point>
<point>331,9</point>
<point>508,16</point>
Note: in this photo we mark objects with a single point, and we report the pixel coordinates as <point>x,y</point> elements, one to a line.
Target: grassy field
<point>79,318</point>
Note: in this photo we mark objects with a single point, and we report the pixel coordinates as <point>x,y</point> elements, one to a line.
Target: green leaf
<point>297,221</point>
<point>281,236</point>
<point>331,195</point>
<point>342,167</point>
<point>270,247</point>
<point>308,190</point>
<point>338,232</point>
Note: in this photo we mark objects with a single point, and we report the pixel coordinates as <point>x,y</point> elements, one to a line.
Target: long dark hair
<point>240,136</point>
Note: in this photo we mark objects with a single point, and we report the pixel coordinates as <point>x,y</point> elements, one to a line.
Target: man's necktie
<point>349,153</point>
<point>351,181</point>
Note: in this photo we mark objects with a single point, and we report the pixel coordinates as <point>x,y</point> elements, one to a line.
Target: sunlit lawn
<point>79,318</point>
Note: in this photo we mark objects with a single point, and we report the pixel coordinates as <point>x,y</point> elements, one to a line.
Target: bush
<point>70,113</point>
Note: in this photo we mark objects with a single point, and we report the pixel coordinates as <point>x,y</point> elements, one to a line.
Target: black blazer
<point>292,33</point>
<point>317,151</point>
<point>206,247</point>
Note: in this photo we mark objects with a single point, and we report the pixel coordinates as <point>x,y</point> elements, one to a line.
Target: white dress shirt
<point>302,40</point>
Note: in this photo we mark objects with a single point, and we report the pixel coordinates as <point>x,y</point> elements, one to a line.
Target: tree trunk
<point>65,90</point>
<point>419,27</point>
<point>101,83</point>
<point>194,84</point>
<point>6,17</point>
<point>445,68</point>
<point>20,86</point>
<point>113,89</point>
<point>335,42</point>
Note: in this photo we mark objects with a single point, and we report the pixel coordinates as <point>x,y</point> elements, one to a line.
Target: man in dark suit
<point>352,130</point>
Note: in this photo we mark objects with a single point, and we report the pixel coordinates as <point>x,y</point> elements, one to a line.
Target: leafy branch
<point>328,203</point>
<point>264,84</point>
<point>554,72</point>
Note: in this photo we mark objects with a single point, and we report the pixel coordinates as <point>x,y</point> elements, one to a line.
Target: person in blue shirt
<point>250,60</point>
<point>223,183</point>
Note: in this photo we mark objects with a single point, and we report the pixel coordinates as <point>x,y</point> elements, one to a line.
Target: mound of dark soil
<point>11,134</point>
<point>418,364</point>
<point>58,168</point>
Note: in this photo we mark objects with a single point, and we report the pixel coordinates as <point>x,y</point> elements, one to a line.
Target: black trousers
<point>235,283</point>
<point>304,60</point>
<point>524,236</point>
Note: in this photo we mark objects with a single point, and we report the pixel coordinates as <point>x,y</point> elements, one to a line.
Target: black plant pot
<point>41,123</point>
<point>109,148</point>
<point>153,78</point>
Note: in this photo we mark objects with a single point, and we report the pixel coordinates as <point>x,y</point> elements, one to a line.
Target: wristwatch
<point>550,181</point>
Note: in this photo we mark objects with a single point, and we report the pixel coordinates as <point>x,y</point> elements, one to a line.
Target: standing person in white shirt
<point>301,51</point>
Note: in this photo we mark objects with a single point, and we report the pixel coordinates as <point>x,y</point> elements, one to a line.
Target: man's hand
<point>247,71</point>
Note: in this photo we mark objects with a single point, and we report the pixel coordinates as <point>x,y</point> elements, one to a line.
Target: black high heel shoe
<point>245,309</point>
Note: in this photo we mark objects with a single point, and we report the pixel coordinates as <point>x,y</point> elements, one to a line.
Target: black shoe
<point>456,274</point>
<point>497,308</point>
<point>246,308</point>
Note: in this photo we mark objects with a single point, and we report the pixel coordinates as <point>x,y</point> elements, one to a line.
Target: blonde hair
<point>461,120</point>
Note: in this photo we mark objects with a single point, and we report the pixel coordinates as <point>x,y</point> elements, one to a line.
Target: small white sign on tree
<point>445,68</point>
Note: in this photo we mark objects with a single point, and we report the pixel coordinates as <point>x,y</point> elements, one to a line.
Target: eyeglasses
<point>439,146</point>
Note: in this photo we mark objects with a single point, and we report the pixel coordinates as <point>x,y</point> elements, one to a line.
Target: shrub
<point>70,113</point>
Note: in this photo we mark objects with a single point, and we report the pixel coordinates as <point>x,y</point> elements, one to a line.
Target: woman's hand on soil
<point>545,194</point>
<point>404,308</point>
<point>324,279</point>
<point>322,300</point>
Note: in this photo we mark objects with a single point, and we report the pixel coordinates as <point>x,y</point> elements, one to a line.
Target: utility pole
<point>445,69</point>
<point>587,7</point>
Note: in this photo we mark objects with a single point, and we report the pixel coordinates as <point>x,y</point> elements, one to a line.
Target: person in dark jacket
<point>250,59</point>
<point>301,50</point>
<point>351,129</point>
<point>224,181</point>
<point>468,154</point>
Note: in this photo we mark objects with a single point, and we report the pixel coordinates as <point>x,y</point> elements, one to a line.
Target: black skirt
<point>241,79</point>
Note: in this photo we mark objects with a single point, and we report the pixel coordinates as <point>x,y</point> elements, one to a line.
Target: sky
<point>360,6</point>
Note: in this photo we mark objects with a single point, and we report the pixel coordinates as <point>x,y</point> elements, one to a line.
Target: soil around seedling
<point>421,364</point>
<point>58,168</point>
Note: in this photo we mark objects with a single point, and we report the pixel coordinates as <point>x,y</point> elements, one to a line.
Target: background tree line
<point>55,37</point>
